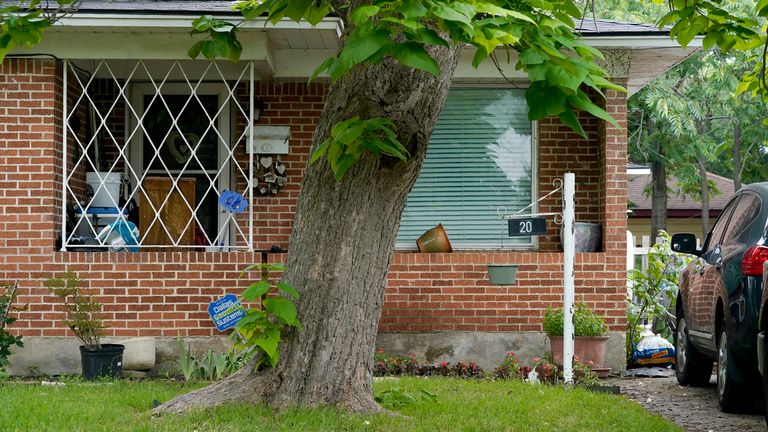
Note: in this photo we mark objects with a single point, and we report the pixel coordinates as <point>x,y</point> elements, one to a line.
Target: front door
<point>181,149</point>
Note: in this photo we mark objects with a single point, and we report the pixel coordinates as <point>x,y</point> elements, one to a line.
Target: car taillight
<point>754,257</point>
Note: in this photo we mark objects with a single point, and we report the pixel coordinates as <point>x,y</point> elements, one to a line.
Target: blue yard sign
<point>226,312</point>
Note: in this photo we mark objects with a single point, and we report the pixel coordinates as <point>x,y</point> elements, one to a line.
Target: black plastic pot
<point>106,361</point>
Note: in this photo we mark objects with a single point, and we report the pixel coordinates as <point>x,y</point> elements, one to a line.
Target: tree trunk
<point>737,168</point>
<point>704,195</point>
<point>342,245</point>
<point>658,188</point>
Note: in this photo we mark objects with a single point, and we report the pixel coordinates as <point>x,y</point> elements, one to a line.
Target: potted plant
<point>590,336</point>
<point>81,315</point>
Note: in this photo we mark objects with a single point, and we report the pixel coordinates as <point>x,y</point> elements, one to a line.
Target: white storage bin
<point>107,195</point>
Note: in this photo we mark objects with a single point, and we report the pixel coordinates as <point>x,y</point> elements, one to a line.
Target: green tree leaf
<point>544,101</point>
<point>256,290</point>
<point>414,55</point>
<point>361,14</point>
<point>288,289</point>
<point>283,309</point>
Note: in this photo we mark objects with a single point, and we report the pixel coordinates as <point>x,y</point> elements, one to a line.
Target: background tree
<point>690,120</point>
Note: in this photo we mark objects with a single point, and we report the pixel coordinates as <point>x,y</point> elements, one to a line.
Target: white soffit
<point>292,50</point>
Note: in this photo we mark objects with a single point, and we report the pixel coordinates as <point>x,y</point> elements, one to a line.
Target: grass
<point>462,405</point>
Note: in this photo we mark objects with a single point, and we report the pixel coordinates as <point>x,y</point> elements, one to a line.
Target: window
<point>156,155</point>
<point>480,157</point>
<point>744,214</point>
<point>715,236</point>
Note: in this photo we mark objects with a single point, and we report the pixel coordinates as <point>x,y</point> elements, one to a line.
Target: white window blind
<point>479,158</point>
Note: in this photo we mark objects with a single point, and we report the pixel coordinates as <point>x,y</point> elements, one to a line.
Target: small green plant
<point>211,366</point>
<point>583,374</point>
<point>385,364</point>
<point>263,325</point>
<point>509,367</point>
<point>549,371</point>
<point>34,371</point>
<point>81,312</point>
<point>585,322</point>
<point>7,340</point>
<point>396,397</point>
<point>654,291</point>
<point>187,363</point>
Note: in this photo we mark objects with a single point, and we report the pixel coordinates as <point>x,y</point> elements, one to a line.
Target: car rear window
<point>744,215</point>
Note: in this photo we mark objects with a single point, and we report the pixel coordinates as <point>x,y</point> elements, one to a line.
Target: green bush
<point>7,340</point>
<point>585,322</point>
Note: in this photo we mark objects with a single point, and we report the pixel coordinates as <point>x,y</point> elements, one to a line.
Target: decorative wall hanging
<point>271,176</point>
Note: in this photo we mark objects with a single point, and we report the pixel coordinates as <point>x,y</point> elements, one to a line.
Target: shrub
<point>81,312</point>
<point>7,340</point>
<point>585,322</point>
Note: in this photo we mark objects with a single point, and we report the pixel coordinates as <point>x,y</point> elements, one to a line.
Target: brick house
<point>111,90</point>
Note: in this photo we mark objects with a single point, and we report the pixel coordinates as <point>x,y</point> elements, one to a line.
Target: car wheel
<point>691,367</point>
<point>730,393</point>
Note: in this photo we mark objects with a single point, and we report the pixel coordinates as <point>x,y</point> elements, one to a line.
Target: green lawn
<point>462,405</point>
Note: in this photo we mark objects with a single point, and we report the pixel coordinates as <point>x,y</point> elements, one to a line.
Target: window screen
<point>480,157</point>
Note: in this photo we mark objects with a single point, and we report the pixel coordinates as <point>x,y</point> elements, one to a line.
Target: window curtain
<point>480,158</point>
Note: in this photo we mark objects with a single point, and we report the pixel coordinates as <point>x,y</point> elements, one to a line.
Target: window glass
<point>480,157</point>
<point>720,225</point>
<point>744,214</point>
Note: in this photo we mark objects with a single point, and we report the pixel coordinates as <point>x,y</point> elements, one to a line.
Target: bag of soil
<point>654,351</point>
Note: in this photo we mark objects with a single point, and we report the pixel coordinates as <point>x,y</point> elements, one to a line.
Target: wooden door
<point>174,215</point>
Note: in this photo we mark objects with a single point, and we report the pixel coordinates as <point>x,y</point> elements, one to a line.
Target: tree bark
<point>737,168</point>
<point>342,245</point>
<point>658,188</point>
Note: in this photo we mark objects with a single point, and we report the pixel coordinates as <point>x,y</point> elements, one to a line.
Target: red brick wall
<point>451,292</point>
<point>166,293</point>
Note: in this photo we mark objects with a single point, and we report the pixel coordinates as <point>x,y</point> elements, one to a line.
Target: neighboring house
<point>103,91</point>
<point>683,210</point>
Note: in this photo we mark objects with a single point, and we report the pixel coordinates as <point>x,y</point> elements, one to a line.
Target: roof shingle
<point>676,200</point>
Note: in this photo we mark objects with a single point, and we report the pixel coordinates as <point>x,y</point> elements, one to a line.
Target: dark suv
<point>721,294</point>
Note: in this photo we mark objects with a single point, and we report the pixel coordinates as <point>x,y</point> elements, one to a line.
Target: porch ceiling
<point>292,50</point>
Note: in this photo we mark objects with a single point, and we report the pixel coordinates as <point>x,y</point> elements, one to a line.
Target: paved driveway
<point>693,408</point>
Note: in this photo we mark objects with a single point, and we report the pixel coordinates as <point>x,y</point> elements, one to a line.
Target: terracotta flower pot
<point>434,240</point>
<point>585,348</point>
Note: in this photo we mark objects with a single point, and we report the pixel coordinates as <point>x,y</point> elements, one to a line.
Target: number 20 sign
<point>527,227</point>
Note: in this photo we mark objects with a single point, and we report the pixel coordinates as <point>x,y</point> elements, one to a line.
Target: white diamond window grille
<point>175,148</point>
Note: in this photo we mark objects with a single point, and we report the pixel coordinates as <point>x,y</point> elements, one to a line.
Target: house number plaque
<point>525,227</point>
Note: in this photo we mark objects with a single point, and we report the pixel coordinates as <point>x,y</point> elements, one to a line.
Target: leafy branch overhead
<point>726,30</point>
<point>560,66</point>
<point>23,26</point>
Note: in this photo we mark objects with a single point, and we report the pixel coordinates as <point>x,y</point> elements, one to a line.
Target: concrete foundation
<point>486,349</point>
<point>60,355</point>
